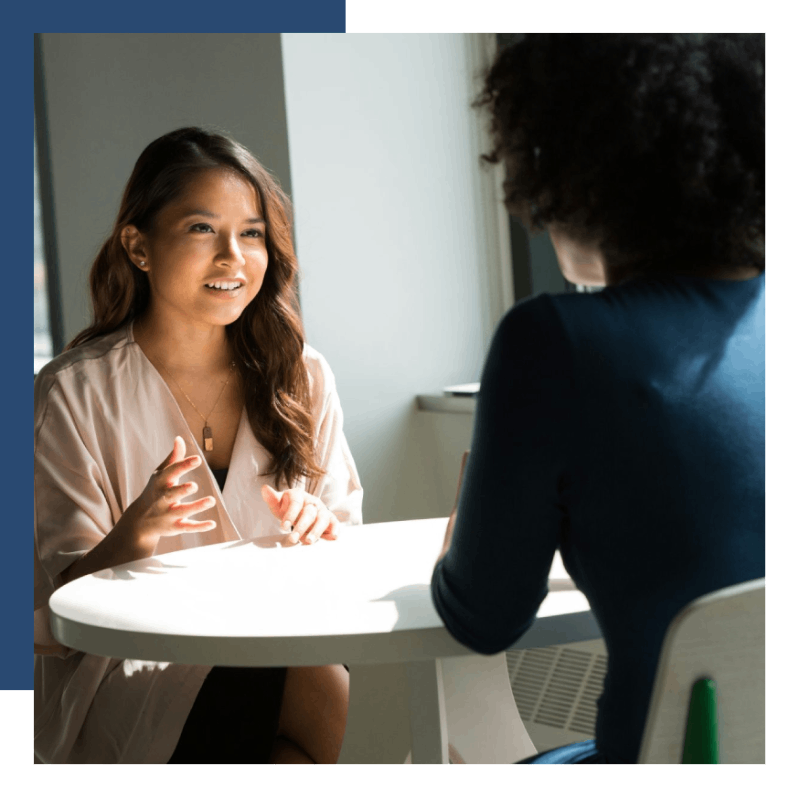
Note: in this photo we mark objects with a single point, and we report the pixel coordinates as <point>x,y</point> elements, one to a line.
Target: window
<point>48,338</point>
<point>42,338</point>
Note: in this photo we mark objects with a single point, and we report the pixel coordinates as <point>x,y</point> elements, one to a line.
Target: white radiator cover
<point>556,690</point>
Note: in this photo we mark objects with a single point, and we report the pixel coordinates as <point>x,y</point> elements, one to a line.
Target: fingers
<point>295,507</point>
<point>332,532</point>
<point>325,525</point>
<point>178,492</point>
<point>320,526</point>
<point>273,499</point>
<point>184,510</point>
<point>305,521</point>
<point>178,453</point>
<point>176,516</point>
<point>179,516</point>
<point>184,525</point>
<point>172,473</point>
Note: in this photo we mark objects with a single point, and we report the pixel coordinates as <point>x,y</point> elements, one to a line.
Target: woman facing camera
<point>623,428</point>
<point>194,366</point>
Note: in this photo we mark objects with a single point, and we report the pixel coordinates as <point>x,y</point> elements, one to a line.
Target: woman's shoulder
<point>98,358</point>
<point>321,379</point>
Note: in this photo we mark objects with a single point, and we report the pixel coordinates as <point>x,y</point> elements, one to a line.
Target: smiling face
<point>206,255</point>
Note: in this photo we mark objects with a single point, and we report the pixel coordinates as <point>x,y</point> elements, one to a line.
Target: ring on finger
<point>305,520</point>
<point>318,528</point>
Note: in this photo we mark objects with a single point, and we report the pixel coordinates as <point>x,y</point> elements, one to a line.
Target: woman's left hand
<point>304,514</point>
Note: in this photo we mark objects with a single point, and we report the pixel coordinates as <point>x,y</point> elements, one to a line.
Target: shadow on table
<point>413,604</point>
<point>152,565</point>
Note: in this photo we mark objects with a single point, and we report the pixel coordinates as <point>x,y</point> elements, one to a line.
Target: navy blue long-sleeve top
<point>624,428</point>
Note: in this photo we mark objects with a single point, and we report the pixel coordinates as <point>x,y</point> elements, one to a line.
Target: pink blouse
<point>104,419</point>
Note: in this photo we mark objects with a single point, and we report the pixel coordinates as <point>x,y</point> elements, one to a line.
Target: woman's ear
<point>134,244</point>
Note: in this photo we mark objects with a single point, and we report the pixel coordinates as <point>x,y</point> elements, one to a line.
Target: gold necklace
<point>208,438</point>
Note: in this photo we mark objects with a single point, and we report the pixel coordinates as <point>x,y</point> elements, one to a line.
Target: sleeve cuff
<point>463,625</point>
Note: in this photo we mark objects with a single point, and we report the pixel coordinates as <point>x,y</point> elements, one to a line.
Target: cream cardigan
<point>103,421</point>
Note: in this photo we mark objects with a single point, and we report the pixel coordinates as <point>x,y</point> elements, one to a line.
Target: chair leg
<point>483,721</point>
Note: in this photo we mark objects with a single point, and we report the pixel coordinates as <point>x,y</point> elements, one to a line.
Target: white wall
<point>394,236</point>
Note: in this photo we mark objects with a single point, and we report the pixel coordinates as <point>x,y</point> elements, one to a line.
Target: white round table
<point>363,600</point>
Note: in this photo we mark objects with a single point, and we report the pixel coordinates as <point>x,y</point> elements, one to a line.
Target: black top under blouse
<point>220,474</point>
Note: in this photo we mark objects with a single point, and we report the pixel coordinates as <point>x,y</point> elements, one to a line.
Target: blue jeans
<point>582,753</point>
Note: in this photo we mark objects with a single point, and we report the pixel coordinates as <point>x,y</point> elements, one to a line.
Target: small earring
<point>141,263</point>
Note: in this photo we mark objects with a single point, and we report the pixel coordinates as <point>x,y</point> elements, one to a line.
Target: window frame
<point>46,200</point>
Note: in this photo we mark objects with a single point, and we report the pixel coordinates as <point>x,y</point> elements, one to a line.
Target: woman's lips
<point>225,293</point>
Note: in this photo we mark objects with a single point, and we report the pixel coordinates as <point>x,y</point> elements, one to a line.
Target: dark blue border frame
<point>297,16</point>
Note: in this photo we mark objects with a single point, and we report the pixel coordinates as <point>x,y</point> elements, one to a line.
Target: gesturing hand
<point>310,518</point>
<point>159,511</point>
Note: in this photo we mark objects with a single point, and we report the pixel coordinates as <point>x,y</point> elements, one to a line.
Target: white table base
<point>427,706</point>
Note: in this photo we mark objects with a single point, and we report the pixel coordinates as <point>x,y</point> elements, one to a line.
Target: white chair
<point>718,637</point>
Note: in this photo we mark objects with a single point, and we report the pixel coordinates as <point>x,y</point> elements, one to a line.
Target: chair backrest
<point>719,636</point>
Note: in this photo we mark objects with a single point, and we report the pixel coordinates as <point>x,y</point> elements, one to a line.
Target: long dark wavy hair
<point>651,145</point>
<point>267,339</point>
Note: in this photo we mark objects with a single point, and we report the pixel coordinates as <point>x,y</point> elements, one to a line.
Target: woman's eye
<point>202,227</point>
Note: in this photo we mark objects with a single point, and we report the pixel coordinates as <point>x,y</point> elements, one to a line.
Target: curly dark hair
<point>268,338</point>
<point>651,145</point>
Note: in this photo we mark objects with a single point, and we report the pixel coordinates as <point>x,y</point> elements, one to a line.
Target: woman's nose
<point>231,252</point>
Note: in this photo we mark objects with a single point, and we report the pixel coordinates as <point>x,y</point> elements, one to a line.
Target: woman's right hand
<point>159,510</point>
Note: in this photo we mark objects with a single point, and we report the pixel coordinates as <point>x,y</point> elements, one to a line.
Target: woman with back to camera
<point>625,427</point>
<point>195,365</point>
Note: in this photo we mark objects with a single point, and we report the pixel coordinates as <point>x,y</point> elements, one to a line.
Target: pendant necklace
<point>208,438</point>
